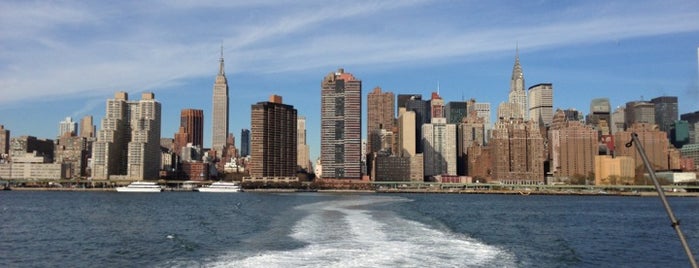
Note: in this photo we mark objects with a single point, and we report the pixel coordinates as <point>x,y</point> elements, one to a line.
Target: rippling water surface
<point>176,229</point>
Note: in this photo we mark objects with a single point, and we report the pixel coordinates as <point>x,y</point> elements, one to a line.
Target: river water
<point>189,229</point>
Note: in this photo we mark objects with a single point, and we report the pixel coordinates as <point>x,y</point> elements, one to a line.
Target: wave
<point>347,233</point>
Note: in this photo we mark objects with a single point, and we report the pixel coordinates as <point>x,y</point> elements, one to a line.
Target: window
<point>339,130</point>
<point>339,153</point>
<point>340,106</point>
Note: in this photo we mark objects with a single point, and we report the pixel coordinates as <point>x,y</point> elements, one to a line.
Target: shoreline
<point>390,191</point>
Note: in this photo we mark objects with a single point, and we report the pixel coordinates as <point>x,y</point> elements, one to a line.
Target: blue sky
<point>65,58</point>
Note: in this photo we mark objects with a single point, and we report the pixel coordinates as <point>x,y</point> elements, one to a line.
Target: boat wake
<point>346,233</point>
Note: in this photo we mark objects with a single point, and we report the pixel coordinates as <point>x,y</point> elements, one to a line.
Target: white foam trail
<point>342,234</point>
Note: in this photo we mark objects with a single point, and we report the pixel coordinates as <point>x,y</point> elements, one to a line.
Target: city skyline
<point>619,50</point>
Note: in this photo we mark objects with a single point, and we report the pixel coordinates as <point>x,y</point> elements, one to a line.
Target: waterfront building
<point>665,112</point>
<point>191,129</point>
<point>32,166</point>
<point>244,142</point>
<point>618,120</point>
<point>73,151</point>
<point>439,147</point>
<point>691,151</point>
<point>67,127</point>
<point>455,111</point>
<point>600,116</point>
<point>391,168</point>
<point>128,143</point>
<point>611,170</point>
<point>479,162</point>
<point>517,95</point>
<point>20,146</point>
<point>341,122</point>
<point>304,157</point>
<point>639,112</point>
<point>541,103</point>
<point>273,154</point>
<point>195,170</point>
<point>573,146</point>
<point>655,143</point>
<point>380,116</point>
<point>4,142</point>
<point>87,127</point>
<point>471,130</point>
<point>220,111</point>
<point>517,153</point>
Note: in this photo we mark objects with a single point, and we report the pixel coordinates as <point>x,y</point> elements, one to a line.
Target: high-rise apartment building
<point>380,115</point>
<point>128,143</point>
<point>219,113</point>
<point>274,140</point>
<point>87,127</point>
<point>517,153</point>
<point>541,103</point>
<point>304,157</point>
<point>517,96</point>
<point>573,147</point>
<point>191,129</point>
<point>72,151</point>
<point>341,122</point>
<point>470,131</point>
<point>67,126</point>
<point>655,143</point>
<point>600,115</point>
<point>665,112</point>
<point>244,142</point>
<point>439,147</point>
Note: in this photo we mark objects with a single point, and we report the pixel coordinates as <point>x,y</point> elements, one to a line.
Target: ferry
<point>140,187</point>
<point>221,187</point>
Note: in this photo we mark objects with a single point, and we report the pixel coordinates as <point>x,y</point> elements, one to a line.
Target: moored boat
<point>221,187</point>
<point>140,187</point>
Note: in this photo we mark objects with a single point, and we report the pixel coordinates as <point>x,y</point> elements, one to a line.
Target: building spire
<point>220,67</point>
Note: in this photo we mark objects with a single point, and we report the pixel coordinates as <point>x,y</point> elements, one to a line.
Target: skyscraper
<point>439,147</point>
<point>304,157</point>
<point>518,153</point>
<point>600,115</point>
<point>422,116</point>
<point>518,95</point>
<point>470,131</point>
<point>455,111</point>
<point>220,111</point>
<point>341,122</point>
<point>67,126</point>
<point>274,140</point>
<point>244,142</point>
<point>541,103</point>
<point>4,141</point>
<point>380,115</point>
<point>639,112</point>
<point>128,143</point>
<point>191,129</point>
<point>665,112</point>
<point>87,127</point>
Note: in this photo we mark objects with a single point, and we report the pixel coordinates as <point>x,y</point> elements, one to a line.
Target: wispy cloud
<point>63,49</point>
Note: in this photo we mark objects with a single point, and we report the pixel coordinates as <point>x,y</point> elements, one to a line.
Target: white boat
<point>221,187</point>
<point>141,187</point>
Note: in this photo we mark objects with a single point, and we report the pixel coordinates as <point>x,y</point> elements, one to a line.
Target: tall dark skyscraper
<point>665,112</point>
<point>244,142</point>
<point>220,110</point>
<point>455,111</point>
<point>341,126</point>
<point>273,145</point>
<point>422,116</point>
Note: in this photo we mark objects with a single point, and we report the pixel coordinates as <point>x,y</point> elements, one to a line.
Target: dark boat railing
<point>674,221</point>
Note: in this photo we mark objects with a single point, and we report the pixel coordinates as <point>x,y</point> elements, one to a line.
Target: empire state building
<point>220,111</point>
